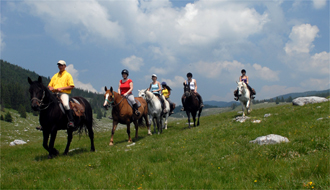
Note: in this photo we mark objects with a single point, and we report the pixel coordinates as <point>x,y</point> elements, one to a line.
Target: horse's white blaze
<point>105,100</point>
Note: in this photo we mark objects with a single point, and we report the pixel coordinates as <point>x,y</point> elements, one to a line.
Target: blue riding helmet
<point>164,84</point>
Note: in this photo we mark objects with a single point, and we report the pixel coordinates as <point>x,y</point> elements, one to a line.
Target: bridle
<point>41,103</point>
<point>113,101</point>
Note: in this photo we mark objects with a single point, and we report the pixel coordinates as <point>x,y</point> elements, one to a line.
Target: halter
<point>41,101</point>
<point>111,102</point>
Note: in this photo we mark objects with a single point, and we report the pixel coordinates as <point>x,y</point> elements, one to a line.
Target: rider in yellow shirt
<point>62,84</point>
<point>166,91</point>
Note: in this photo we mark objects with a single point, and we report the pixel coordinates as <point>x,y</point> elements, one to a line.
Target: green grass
<point>215,155</point>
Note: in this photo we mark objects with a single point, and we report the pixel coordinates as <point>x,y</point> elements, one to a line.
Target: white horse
<point>155,111</point>
<point>244,97</point>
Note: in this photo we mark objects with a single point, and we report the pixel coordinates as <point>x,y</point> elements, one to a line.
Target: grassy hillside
<point>215,155</point>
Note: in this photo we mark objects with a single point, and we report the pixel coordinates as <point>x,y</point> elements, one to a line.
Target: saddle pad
<point>74,101</point>
<point>137,103</point>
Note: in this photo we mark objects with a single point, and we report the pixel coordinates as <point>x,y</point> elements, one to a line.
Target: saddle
<point>78,109</point>
<point>137,103</point>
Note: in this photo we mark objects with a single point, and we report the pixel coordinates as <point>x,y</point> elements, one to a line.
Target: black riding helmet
<point>243,70</point>
<point>125,71</point>
<point>189,75</point>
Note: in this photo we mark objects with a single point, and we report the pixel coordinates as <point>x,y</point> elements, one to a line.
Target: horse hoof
<point>111,144</point>
<point>50,157</point>
<point>92,150</point>
<point>65,153</point>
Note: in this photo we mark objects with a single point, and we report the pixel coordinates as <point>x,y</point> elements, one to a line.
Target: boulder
<point>241,118</point>
<point>17,142</point>
<point>270,139</point>
<point>308,100</point>
<point>267,115</point>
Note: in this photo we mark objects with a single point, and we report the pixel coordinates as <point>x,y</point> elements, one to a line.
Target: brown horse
<point>122,112</point>
<point>191,104</point>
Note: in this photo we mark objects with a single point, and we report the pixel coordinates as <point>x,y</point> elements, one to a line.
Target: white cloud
<point>174,83</point>
<point>316,84</point>
<point>265,73</point>
<point>2,43</point>
<point>321,62</point>
<point>318,4</point>
<point>301,38</point>
<point>78,84</point>
<point>133,63</point>
<point>267,92</point>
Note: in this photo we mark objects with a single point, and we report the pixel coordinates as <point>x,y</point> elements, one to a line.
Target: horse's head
<point>109,97</point>
<point>37,93</point>
<point>142,93</point>
<point>186,90</point>
<point>240,87</point>
<point>148,95</point>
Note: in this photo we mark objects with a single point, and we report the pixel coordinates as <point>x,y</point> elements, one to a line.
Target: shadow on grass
<point>71,152</point>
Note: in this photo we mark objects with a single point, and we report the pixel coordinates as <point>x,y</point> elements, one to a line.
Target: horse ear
<point>29,80</point>
<point>40,79</point>
<point>111,89</point>
<point>105,88</point>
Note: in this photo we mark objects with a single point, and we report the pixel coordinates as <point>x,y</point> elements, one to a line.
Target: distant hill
<point>221,104</point>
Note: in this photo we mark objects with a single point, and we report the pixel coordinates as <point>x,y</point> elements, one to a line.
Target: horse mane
<point>48,93</point>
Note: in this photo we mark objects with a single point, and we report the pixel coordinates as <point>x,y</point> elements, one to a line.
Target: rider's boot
<point>69,113</point>
<point>136,110</point>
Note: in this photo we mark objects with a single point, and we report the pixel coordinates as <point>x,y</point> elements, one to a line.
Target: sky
<point>283,45</point>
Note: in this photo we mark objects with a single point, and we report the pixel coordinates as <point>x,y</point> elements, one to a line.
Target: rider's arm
<point>130,89</point>
<point>119,88</point>
<point>247,80</point>
<point>64,88</point>
<point>195,85</point>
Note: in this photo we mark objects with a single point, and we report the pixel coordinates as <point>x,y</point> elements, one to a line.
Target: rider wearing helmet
<point>166,91</point>
<point>193,87</point>
<point>245,79</point>
<point>125,88</point>
<point>155,88</point>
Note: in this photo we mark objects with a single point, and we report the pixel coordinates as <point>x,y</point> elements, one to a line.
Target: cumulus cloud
<point>133,63</point>
<point>174,83</point>
<point>265,73</point>
<point>78,84</point>
<point>301,38</point>
<point>318,4</point>
<point>316,83</point>
<point>2,43</point>
<point>321,61</point>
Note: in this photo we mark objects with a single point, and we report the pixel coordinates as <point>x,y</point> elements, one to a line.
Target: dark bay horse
<point>122,112</point>
<point>191,104</point>
<point>53,119</point>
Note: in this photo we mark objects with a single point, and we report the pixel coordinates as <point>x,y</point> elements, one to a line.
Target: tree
<point>22,111</point>
<point>289,99</point>
<point>277,101</point>
<point>8,117</point>
<point>2,118</point>
<point>98,114</point>
<point>233,106</point>
<point>282,99</point>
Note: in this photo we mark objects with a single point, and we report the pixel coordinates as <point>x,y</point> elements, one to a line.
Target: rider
<point>167,92</point>
<point>193,87</point>
<point>245,79</point>
<point>155,88</point>
<point>62,84</point>
<point>125,89</point>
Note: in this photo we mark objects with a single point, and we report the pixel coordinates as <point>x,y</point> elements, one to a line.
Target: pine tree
<point>289,99</point>
<point>98,114</point>
<point>8,117</point>
<point>282,99</point>
<point>2,118</point>
<point>22,111</point>
<point>277,101</point>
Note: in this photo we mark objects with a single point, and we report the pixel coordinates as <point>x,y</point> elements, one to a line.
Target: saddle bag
<point>78,109</point>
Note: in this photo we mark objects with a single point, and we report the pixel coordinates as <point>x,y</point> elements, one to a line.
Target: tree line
<point>15,95</point>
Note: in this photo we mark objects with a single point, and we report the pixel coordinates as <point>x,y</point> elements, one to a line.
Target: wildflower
<point>219,168</point>
<point>310,183</point>
<point>255,181</point>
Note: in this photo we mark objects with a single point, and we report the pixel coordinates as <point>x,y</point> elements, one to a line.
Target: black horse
<point>191,104</point>
<point>53,119</point>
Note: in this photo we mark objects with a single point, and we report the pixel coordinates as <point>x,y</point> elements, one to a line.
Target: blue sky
<point>283,45</point>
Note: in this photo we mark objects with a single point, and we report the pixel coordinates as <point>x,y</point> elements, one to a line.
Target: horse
<point>52,118</point>
<point>191,104</point>
<point>122,112</point>
<point>244,97</point>
<point>155,110</point>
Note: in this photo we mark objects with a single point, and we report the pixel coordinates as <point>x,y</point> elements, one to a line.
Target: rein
<point>117,103</point>
<point>41,101</point>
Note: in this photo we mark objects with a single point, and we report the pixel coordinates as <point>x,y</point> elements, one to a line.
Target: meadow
<point>215,155</point>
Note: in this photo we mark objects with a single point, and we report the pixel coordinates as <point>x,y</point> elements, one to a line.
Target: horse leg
<point>114,126</point>
<point>193,114</point>
<point>160,124</point>
<point>136,129</point>
<point>188,115</point>
<point>166,117</point>
<point>129,132</point>
<point>154,123</point>
<point>91,135</point>
<point>243,109</point>
<point>52,150</point>
<point>45,140</point>
<point>69,131</point>
<point>199,114</point>
<point>248,106</point>
<point>148,122</point>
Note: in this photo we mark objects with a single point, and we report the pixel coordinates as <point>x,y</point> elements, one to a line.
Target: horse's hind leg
<point>91,135</point>
<point>193,114</point>
<point>199,114</point>
<point>129,132</point>
<point>136,129</point>
<point>69,142</point>
<point>188,115</point>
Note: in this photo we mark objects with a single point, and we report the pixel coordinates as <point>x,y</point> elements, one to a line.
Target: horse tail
<point>87,120</point>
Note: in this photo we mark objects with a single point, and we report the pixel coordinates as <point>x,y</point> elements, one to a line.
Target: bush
<point>8,117</point>
<point>2,118</point>
<point>22,111</point>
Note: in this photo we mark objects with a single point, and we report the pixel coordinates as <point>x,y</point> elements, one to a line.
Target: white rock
<point>318,107</point>
<point>267,115</point>
<point>240,112</point>
<point>131,145</point>
<point>270,139</point>
<point>256,121</point>
<point>308,100</point>
<point>241,118</point>
<point>319,118</point>
<point>17,142</point>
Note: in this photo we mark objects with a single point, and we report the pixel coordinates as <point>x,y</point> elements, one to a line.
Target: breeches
<point>130,98</point>
<point>65,100</point>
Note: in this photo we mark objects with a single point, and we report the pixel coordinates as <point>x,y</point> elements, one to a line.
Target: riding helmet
<point>189,75</point>
<point>164,84</point>
<point>154,75</point>
<point>243,70</point>
<point>125,71</point>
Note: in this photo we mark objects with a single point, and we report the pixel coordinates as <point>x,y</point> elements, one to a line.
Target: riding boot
<point>69,113</point>
<point>236,95</point>
<point>200,100</point>
<point>136,110</point>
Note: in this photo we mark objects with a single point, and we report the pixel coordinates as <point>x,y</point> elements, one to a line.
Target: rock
<point>256,121</point>
<point>267,115</point>
<point>241,118</point>
<point>308,100</point>
<point>130,145</point>
<point>270,139</point>
<point>17,142</point>
<point>318,107</point>
<point>319,118</point>
<point>240,112</point>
